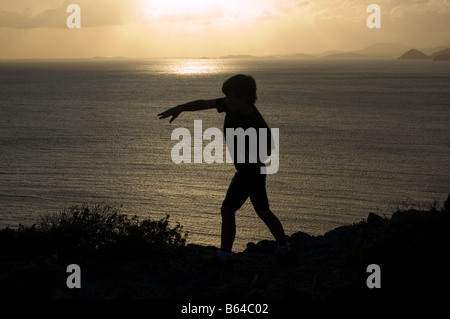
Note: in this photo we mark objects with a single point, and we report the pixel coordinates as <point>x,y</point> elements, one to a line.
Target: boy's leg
<point>274,225</point>
<point>228,229</point>
<point>258,196</point>
<point>237,194</point>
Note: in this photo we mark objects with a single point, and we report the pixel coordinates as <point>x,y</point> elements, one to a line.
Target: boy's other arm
<point>197,105</point>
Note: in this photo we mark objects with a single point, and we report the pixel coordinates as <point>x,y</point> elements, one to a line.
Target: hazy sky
<point>194,28</point>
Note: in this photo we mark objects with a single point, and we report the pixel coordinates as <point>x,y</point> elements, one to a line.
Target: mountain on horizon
<point>376,50</point>
<point>414,54</point>
<point>345,55</point>
<point>238,56</point>
<point>442,55</point>
<point>384,49</point>
<point>440,52</point>
<point>294,56</point>
<point>432,50</point>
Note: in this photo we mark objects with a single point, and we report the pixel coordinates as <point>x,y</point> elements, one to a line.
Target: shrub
<point>81,229</point>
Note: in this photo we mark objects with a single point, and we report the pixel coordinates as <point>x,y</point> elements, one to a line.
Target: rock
<point>341,237</point>
<point>266,246</point>
<point>447,204</point>
<point>251,248</point>
<point>299,239</point>
<point>375,220</point>
<point>409,245</point>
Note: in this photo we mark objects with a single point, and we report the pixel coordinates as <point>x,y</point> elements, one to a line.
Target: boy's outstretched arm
<point>190,106</point>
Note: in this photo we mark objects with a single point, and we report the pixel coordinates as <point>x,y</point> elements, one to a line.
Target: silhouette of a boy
<point>248,181</point>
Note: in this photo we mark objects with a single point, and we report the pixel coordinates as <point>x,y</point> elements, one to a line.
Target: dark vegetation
<point>123,257</point>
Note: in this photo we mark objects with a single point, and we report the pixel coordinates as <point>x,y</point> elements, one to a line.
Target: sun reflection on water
<point>201,66</point>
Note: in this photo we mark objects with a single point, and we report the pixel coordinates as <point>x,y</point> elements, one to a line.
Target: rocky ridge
<point>410,248</point>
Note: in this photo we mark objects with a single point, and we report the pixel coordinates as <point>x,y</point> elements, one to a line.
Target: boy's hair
<point>241,85</point>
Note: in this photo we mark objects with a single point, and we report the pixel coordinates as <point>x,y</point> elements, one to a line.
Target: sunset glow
<point>176,10</point>
<point>212,28</point>
<point>192,67</point>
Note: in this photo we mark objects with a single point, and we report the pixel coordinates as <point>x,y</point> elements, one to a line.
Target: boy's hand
<point>174,112</point>
<point>190,106</point>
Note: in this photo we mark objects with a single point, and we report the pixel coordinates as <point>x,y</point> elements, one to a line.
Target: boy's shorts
<point>247,183</point>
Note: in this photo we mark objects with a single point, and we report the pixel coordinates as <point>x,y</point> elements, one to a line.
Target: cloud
<point>208,13</point>
<point>280,12</point>
<point>396,12</point>
<point>353,8</point>
<point>267,16</point>
<point>93,14</point>
<point>52,18</point>
<point>416,18</point>
<point>302,3</point>
<point>214,27</point>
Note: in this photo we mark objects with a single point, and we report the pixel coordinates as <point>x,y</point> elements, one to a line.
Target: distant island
<point>442,55</point>
<point>382,50</point>
<point>394,50</point>
<point>109,58</point>
<point>293,56</point>
<point>413,54</point>
<point>345,55</point>
<point>238,56</point>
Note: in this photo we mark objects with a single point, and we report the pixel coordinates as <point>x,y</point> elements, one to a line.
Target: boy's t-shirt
<point>254,120</point>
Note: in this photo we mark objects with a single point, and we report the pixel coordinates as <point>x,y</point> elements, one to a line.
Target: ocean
<point>356,136</point>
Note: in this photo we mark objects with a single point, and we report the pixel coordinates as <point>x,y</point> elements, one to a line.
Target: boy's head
<point>241,85</point>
